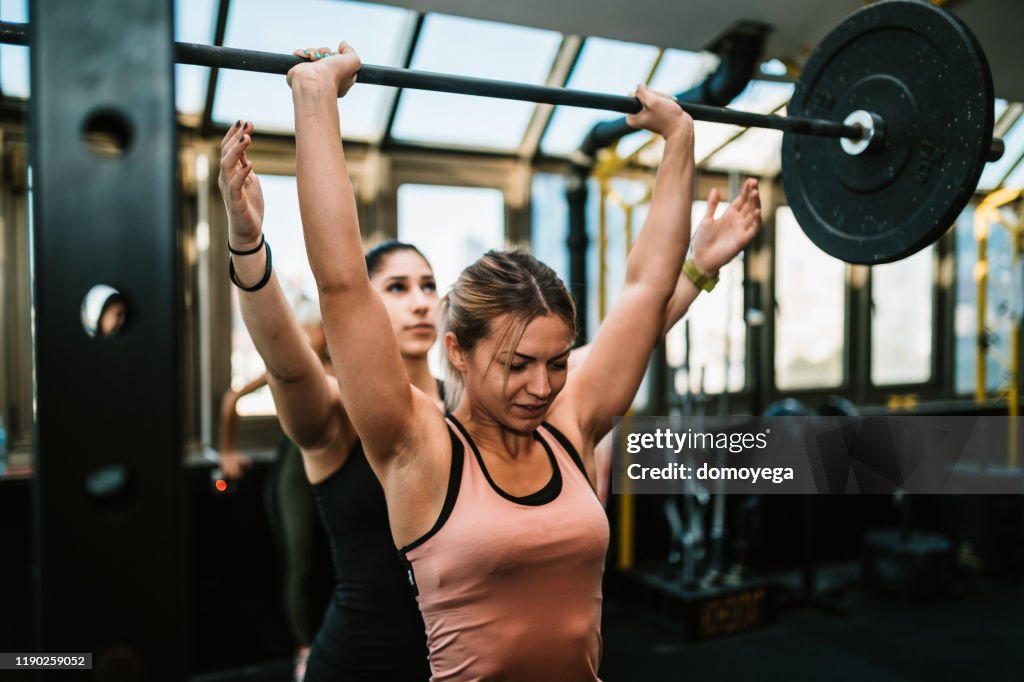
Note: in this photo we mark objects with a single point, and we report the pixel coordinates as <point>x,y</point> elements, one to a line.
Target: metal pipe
<point>739,53</point>
<point>267,62</point>
<point>981,229</point>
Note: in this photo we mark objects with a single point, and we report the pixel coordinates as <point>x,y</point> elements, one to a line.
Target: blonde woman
<point>494,507</point>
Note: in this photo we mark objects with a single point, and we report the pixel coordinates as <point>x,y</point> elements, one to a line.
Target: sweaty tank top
<point>372,628</point>
<point>510,587</point>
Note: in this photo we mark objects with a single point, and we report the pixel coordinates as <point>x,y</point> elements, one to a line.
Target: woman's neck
<point>418,370</point>
<point>491,435</point>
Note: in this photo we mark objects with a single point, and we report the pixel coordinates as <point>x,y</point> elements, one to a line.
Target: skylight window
<point>14,58</point>
<point>379,34</point>
<point>678,71</point>
<point>606,66</point>
<point>763,97</point>
<point>485,50</point>
<point>193,23</point>
<point>757,151</point>
<point>997,170</point>
<point>1016,178</point>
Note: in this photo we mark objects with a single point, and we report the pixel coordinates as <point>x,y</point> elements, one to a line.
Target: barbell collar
<point>996,151</point>
<point>872,132</point>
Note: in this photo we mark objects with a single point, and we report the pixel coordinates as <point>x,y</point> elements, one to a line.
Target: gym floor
<point>971,634</point>
<point>974,635</point>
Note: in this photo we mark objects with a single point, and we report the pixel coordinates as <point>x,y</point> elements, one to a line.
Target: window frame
<point>16,351</point>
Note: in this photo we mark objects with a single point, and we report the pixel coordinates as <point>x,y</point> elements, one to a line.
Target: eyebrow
<point>524,356</point>
<point>402,278</point>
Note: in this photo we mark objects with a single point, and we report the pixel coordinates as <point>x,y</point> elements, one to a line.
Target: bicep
<point>306,406</point>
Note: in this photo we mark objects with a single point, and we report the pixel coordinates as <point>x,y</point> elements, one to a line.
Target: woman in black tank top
<point>372,629</point>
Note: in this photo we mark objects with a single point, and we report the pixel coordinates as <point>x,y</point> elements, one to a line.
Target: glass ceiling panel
<point>193,23</point>
<point>995,171</point>
<point>606,66</point>
<point>379,34</point>
<point>757,152</point>
<point>678,71</point>
<point>1000,108</point>
<point>1016,178</point>
<point>759,96</point>
<point>481,49</point>
<point>14,58</point>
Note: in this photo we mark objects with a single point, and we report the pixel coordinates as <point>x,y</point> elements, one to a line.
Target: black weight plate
<point>922,70</point>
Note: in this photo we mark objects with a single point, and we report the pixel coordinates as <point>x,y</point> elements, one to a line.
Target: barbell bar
<point>268,62</point>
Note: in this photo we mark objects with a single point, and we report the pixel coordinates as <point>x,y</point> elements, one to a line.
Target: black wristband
<point>266,275</point>
<point>259,246</point>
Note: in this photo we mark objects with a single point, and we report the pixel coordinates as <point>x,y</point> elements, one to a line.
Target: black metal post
<point>577,240</point>
<point>108,562</point>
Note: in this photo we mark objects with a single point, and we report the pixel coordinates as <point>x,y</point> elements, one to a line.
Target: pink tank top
<point>510,588</point>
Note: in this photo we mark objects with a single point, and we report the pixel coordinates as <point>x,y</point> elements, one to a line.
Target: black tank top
<point>372,629</point>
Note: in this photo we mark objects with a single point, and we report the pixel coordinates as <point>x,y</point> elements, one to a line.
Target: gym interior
<point>124,538</point>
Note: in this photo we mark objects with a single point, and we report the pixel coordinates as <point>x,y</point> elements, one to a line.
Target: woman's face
<point>406,284</point>
<point>519,400</point>
<point>112,319</point>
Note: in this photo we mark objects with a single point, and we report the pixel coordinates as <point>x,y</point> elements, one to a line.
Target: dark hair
<point>112,300</point>
<point>376,255</point>
<point>500,282</point>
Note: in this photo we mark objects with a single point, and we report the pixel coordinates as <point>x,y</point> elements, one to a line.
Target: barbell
<point>890,123</point>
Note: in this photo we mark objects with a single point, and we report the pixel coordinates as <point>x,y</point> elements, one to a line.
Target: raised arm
<point>715,243</point>
<point>605,384</point>
<point>308,410</point>
<point>374,386</point>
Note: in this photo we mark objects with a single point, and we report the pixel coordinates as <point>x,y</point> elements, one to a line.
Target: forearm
<point>326,200</point>
<point>657,256</point>
<point>294,372</point>
<point>682,298</point>
<point>272,325</point>
<point>228,421</point>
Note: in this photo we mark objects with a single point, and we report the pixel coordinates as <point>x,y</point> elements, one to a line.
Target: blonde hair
<point>500,283</point>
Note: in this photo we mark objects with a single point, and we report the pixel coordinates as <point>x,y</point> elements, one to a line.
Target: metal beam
<point>108,560</point>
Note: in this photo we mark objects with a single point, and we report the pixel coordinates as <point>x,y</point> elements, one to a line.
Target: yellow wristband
<point>700,280</point>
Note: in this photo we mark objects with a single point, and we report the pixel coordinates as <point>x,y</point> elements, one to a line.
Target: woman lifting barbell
<point>501,536</point>
<point>717,242</point>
